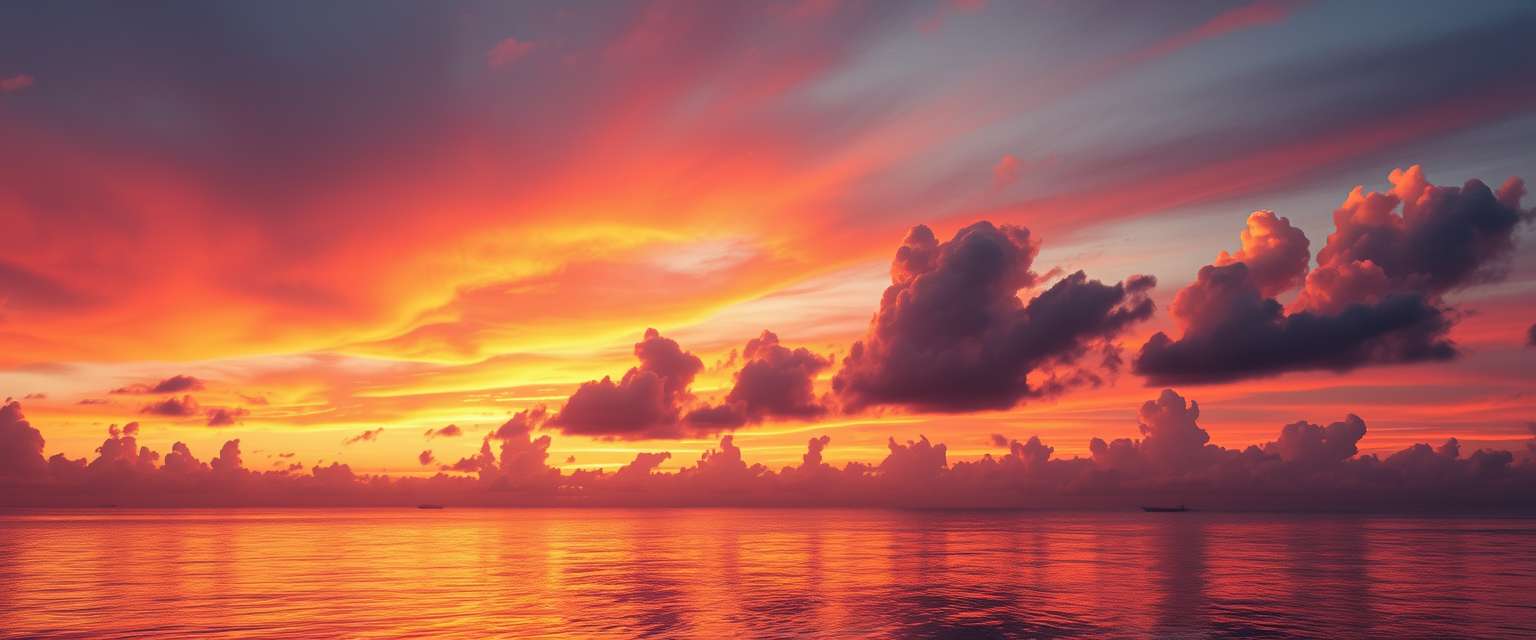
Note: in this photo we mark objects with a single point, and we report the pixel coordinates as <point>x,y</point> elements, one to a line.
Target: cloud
<point>93,401</point>
<point>370,435</point>
<point>1308,466</point>
<point>223,417</point>
<point>425,458</point>
<point>15,83</point>
<point>774,382</point>
<point>35,396</point>
<point>645,403</point>
<point>1418,239</point>
<point>1375,297</point>
<point>173,407</point>
<point>1530,336</point>
<point>450,431</point>
<point>173,384</point>
<point>507,51</point>
<point>21,446</point>
<point>1006,171</point>
<point>951,333</point>
<point>1276,253</point>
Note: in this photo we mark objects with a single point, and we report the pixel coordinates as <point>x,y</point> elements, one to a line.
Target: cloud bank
<point>1307,466</point>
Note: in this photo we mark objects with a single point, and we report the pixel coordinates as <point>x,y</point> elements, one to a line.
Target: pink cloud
<point>15,83</point>
<point>508,51</point>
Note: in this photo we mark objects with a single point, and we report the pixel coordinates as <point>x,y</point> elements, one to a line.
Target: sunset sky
<point>331,230</point>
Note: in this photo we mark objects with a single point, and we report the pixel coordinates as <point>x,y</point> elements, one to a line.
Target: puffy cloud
<point>450,431</point>
<point>1171,438</point>
<point>1375,298</point>
<point>645,403</point>
<point>425,457</point>
<point>1275,252</point>
<point>223,417</point>
<point>21,446</point>
<point>951,333</point>
<point>173,384</point>
<point>370,435</point>
<point>774,382</point>
<point>1418,238</point>
<point>173,407</point>
<point>644,464</point>
<point>1304,442</point>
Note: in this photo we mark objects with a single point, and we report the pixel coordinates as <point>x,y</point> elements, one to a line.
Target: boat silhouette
<point>1179,509</point>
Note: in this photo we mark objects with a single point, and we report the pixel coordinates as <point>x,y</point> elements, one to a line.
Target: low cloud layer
<point>1307,466</point>
<point>1376,296</point>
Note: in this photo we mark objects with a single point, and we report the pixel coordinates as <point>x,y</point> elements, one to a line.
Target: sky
<point>373,233</point>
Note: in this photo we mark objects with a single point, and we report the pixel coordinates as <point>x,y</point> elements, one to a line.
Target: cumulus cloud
<point>1376,296</point>
<point>645,403</point>
<point>450,431</point>
<point>173,407</point>
<point>425,458</point>
<point>173,384</point>
<point>21,446</point>
<point>370,435</point>
<point>223,417</point>
<point>952,334</point>
<point>774,382</point>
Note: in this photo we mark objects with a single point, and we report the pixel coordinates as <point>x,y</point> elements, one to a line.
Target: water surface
<point>385,573</point>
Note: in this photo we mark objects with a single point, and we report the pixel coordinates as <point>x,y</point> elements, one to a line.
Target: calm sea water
<point>759,574</point>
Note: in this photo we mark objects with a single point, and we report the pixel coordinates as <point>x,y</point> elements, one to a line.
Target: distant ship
<point>429,506</point>
<point>1179,509</point>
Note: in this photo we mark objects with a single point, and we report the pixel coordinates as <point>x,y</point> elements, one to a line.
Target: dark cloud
<point>951,333</point>
<point>173,384</point>
<point>173,407</point>
<point>1530,336</point>
<point>774,382</point>
<point>370,435</point>
<point>21,446</point>
<point>999,440</point>
<point>450,431</point>
<point>223,417</point>
<point>1375,297</point>
<point>425,458</point>
<point>92,401</point>
<point>645,403</point>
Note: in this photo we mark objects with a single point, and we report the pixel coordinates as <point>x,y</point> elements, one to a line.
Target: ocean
<point>759,573</point>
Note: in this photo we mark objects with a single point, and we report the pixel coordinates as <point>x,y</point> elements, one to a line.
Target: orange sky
<point>336,239</point>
